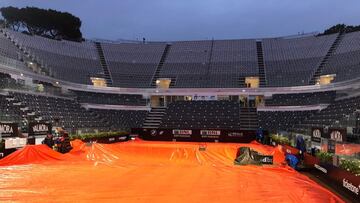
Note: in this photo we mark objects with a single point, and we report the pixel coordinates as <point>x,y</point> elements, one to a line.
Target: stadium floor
<point>140,171</point>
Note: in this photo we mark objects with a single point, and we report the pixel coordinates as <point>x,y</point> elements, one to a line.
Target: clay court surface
<point>140,171</point>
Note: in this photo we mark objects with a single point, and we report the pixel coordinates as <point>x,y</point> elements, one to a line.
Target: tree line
<point>43,22</point>
<point>341,28</point>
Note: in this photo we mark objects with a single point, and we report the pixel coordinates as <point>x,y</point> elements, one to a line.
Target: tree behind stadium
<point>47,23</point>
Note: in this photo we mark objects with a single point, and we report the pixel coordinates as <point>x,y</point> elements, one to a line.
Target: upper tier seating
<point>10,55</point>
<point>193,64</point>
<point>218,63</point>
<point>8,49</point>
<point>237,57</point>
<point>133,65</point>
<point>70,61</point>
<point>345,62</point>
<point>292,62</point>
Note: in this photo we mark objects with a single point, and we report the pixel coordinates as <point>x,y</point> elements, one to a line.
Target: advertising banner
<point>39,129</point>
<point>317,134</point>
<point>9,130</point>
<point>196,135</point>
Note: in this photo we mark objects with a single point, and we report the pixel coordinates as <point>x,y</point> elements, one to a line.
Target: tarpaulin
<point>140,171</point>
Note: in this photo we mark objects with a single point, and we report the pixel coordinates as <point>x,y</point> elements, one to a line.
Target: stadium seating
<point>334,113</point>
<point>292,62</point>
<point>133,65</point>
<point>8,49</point>
<point>9,112</point>
<point>112,99</point>
<point>120,119</point>
<point>7,82</point>
<point>191,64</point>
<point>69,61</point>
<point>207,115</point>
<point>301,99</point>
<point>68,112</point>
<point>234,57</point>
<point>345,62</point>
<point>275,121</point>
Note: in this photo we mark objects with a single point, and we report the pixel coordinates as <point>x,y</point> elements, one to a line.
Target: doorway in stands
<point>158,101</point>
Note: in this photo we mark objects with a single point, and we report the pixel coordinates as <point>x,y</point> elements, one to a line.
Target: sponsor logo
<point>317,133</point>
<point>122,138</point>
<point>336,135</point>
<point>6,129</point>
<point>348,185</point>
<point>40,128</point>
<point>153,132</point>
<point>235,134</point>
<point>111,139</point>
<point>210,132</point>
<point>267,160</point>
<point>182,132</point>
<point>322,169</point>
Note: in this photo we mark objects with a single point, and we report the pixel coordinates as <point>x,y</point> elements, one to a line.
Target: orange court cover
<point>141,171</point>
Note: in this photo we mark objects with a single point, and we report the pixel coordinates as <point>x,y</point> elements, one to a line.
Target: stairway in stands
<point>104,64</point>
<point>261,64</point>
<point>331,51</point>
<point>154,117</point>
<point>210,57</point>
<point>249,119</point>
<point>159,67</point>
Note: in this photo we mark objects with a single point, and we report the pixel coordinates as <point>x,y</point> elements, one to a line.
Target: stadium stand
<point>301,99</point>
<point>7,82</point>
<point>9,112</point>
<point>112,99</point>
<point>191,64</point>
<point>121,119</point>
<point>275,121</point>
<point>345,62</point>
<point>8,49</point>
<point>234,57</point>
<point>69,61</point>
<point>208,114</point>
<point>291,62</point>
<point>67,111</point>
<point>332,114</point>
<point>133,65</point>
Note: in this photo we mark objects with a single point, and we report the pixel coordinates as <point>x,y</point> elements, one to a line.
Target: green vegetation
<point>351,165</point>
<point>340,28</point>
<point>346,163</point>
<point>280,139</point>
<point>89,136</point>
<point>47,23</point>
<point>325,157</point>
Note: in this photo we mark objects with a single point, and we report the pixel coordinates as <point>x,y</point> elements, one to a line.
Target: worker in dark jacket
<point>48,140</point>
<point>64,143</point>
